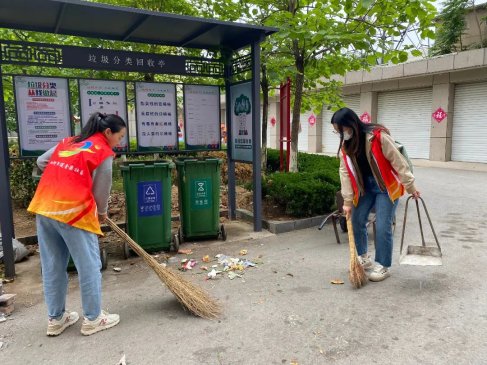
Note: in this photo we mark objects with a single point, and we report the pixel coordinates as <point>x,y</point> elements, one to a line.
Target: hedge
<point>311,191</point>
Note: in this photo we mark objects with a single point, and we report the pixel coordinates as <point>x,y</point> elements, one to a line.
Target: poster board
<point>242,121</point>
<point>108,97</point>
<point>202,117</point>
<point>43,113</point>
<point>156,115</point>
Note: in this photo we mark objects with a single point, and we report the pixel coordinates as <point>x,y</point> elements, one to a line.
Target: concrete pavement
<point>286,310</point>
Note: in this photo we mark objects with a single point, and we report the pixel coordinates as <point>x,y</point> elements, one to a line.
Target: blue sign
<point>149,200</point>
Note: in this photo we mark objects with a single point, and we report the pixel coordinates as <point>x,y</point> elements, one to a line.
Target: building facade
<point>436,107</point>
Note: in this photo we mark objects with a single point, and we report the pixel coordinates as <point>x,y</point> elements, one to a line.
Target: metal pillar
<point>232,203</point>
<point>256,150</point>
<point>6,217</point>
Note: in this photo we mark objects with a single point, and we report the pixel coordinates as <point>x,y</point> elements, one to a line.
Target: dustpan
<point>420,255</point>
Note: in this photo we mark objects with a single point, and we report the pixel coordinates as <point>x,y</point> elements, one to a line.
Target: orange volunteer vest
<point>65,189</point>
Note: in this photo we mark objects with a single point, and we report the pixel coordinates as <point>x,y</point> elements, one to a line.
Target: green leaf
<point>372,59</point>
<point>416,53</point>
<point>366,3</point>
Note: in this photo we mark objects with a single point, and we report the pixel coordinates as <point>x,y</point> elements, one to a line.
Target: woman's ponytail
<point>99,122</point>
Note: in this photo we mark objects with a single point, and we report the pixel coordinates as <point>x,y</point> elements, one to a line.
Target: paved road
<point>286,309</point>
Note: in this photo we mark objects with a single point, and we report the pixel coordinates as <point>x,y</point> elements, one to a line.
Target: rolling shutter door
<point>470,123</point>
<point>330,141</point>
<point>407,114</point>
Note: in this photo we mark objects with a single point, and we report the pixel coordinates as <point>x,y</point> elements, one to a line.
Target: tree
<point>322,38</point>
<point>450,28</point>
<point>326,38</point>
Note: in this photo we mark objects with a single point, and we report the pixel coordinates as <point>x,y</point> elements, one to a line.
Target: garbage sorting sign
<point>43,113</point>
<point>242,122</point>
<point>149,202</point>
<point>157,127</point>
<point>201,194</point>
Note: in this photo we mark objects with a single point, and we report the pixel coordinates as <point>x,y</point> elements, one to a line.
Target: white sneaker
<point>366,261</point>
<point>57,326</point>
<point>102,322</point>
<point>379,273</point>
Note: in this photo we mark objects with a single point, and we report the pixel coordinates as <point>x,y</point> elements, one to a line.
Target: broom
<point>193,298</point>
<point>357,275</point>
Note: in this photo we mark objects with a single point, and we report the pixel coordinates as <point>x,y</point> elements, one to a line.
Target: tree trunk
<point>265,108</point>
<point>298,96</point>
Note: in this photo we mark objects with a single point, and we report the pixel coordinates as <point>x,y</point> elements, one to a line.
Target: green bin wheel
<point>104,259</point>
<point>126,251</point>
<point>180,235</point>
<point>175,243</point>
<point>223,233</point>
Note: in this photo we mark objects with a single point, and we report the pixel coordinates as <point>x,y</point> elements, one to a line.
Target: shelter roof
<point>96,20</point>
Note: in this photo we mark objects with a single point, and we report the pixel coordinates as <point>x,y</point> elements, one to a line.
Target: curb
<point>277,227</point>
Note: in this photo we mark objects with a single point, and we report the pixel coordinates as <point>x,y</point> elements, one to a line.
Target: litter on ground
<point>336,281</point>
<point>188,264</point>
<point>185,251</point>
<point>234,266</point>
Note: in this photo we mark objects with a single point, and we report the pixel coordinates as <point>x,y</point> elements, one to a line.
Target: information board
<point>42,113</point>
<point>202,116</point>
<point>156,110</point>
<point>241,104</point>
<point>106,97</point>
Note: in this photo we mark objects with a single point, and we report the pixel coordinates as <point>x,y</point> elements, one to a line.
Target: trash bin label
<point>200,193</point>
<point>149,198</point>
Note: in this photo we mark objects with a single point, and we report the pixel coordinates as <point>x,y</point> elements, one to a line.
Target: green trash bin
<point>36,176</point>
<point>147,188</point>
<point>199,198</point>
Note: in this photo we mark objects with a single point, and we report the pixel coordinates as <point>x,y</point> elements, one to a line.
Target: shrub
<point>310,191</point>
<point>22,185</point>
<point>308,162</point>
<point>273,160</point>
<point>301,194</point>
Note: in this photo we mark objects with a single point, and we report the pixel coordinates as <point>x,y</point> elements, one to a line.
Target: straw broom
<point>193,298</point>
<point>357,275</point>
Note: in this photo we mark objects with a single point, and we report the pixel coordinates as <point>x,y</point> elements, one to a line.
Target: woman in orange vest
<point>70,202</point>
<point>373,173</point>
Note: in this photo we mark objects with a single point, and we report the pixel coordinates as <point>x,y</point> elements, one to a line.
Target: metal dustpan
<point>420,255</point>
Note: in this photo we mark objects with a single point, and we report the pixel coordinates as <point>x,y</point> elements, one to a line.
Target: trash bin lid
<point>200,160</point>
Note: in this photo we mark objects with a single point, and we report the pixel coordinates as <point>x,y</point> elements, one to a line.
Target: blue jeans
<point>384,212</point>
<point>56,242</point>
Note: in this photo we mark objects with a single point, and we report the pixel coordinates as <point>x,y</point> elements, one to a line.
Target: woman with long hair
<point>373,173</point>
<point>70,202</point>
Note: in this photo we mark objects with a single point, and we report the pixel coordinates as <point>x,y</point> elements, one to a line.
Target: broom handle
<point>133,245</point>
<point>351,238</point>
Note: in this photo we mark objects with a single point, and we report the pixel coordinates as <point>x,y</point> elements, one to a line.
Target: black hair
<point>99,122</point>
<point>346,117</point>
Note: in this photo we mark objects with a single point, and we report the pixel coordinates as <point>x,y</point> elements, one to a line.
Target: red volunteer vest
<point>393,185</point>
<point>65,190</point>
